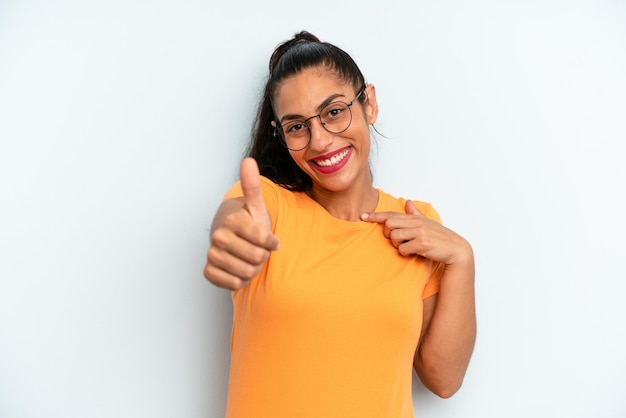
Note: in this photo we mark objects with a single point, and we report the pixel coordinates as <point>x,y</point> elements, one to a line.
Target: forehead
<point>304,92</point>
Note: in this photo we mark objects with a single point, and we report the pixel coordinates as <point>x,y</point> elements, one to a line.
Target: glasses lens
<point>336,117</point>
<point>295,134</point>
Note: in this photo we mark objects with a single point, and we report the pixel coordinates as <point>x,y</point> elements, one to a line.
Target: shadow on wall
<point>220,320</point>
<point>424,400</point>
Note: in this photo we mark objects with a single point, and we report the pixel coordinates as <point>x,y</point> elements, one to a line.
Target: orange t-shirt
<point>330,325</point>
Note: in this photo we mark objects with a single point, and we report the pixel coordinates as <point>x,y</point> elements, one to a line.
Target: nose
<point>320,137</point>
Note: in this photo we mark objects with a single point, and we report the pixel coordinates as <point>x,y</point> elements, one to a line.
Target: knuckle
<point>214,258</point>
<point>219,237</point>
<point>230,220</point>
<point>258,255</point>
<point>237,284</point>
<point>208,273</point>
<point>249,271</point>
<point>260,232</point>
<point>214,276</point>
<point>403,252</point>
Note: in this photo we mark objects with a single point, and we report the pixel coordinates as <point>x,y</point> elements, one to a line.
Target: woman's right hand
<point>241,234</point>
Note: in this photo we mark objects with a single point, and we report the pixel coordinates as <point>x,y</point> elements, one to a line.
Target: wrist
<point>464,258</point>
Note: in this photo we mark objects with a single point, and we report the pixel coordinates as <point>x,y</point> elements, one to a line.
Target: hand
<point>413,233</point>
<point>241,237</point>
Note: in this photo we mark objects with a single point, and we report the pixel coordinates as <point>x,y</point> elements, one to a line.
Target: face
<point>335,162</point>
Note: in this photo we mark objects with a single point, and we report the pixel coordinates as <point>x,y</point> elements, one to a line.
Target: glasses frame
<point>278,129</point>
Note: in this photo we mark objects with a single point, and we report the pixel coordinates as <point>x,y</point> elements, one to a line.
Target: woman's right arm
<point>241,234</point>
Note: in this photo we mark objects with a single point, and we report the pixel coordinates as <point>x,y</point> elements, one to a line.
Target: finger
<point>222,266</point>
<point>221,278</point>
<point>411,209</point>
<point>378,217</point>
<point>251,186</point>
<point>251,249</point>
<point>239,232</point>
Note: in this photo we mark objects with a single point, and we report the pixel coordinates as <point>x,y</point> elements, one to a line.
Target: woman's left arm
<point>449,329</point>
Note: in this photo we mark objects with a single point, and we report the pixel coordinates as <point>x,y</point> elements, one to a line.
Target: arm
<point>241,235</point>
<point>449,331</point>
<point>449,328</point>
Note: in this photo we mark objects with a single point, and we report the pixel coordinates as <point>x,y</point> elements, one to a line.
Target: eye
<point>294,127</point>
<point>334,111</point>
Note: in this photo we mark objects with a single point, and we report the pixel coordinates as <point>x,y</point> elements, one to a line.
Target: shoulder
<point>428,210</point>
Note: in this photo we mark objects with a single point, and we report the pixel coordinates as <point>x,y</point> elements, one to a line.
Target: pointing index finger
<point>377,217</point>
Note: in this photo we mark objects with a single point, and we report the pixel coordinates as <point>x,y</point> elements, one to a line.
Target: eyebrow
<point>322,105</point>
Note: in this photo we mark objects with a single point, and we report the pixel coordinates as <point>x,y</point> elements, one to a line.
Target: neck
<point>347,205</point>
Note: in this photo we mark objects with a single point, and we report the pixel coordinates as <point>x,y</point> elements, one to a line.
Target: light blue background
<point>122,125</point>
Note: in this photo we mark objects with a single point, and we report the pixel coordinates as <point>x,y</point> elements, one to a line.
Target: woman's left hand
<point>413,233</point>
<point>449,328</point>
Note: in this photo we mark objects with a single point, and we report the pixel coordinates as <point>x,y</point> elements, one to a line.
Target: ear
<point>371,105</point>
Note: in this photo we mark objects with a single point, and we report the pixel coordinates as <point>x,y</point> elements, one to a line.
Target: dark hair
<point>303,51</point>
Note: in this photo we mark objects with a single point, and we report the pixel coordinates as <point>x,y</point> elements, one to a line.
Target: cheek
<point>299,158</point>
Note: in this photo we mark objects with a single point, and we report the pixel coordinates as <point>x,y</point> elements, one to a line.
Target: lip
<point>333,168</point>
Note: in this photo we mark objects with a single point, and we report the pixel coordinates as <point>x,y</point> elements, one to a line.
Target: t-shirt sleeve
<point>432,286</point>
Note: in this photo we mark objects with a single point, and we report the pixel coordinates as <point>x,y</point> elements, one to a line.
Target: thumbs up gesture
<point>241,234</point>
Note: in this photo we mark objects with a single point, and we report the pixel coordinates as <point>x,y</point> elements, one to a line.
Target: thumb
<point>411,209</point>
<point>251,186</point>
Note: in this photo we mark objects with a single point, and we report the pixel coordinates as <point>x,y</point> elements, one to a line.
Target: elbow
<point>443,382</point>
<point>445,391</point>
<point>442,375</point>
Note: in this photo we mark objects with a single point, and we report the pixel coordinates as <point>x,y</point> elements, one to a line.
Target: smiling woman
<point>364,287</point>
<point>335,156</point>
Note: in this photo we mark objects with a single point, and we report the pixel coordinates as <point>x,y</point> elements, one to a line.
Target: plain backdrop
<point>122,123</point>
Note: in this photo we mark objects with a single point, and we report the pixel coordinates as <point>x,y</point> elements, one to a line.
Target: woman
<point>338,287</point>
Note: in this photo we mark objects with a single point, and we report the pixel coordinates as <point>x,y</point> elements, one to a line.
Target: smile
<point>334,160</point>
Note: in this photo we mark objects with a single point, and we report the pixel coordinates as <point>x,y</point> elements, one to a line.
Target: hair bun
<point>304,35</point>
<point>300,37</point>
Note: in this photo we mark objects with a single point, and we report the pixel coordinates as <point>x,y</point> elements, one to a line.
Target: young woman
<point>339,289</point>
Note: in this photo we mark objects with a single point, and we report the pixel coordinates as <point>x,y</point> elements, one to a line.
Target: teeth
<point>335,159</point>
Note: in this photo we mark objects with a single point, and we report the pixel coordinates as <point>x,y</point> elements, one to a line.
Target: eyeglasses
<point>335,117</point>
